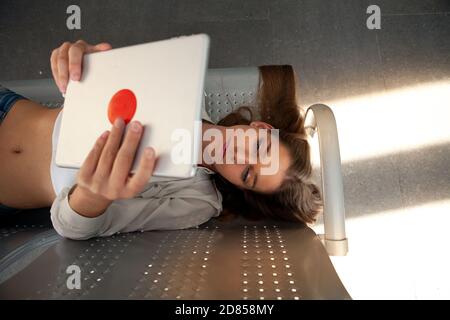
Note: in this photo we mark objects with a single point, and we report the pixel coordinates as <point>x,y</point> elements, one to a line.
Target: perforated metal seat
<point>259,260</point>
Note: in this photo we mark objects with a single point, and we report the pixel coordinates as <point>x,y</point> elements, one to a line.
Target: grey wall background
<point>327,42</point>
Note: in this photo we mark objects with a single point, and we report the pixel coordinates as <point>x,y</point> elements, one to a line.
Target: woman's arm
<point>176,204</point>
<point>104,175</point>
<point>102,202</point>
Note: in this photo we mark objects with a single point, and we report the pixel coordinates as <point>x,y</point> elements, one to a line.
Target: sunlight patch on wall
<point>394,121</point>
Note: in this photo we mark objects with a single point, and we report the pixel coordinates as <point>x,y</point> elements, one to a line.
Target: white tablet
<point>159,83</point>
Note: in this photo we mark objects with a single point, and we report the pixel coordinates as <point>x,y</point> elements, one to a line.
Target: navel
<point>17,150</point>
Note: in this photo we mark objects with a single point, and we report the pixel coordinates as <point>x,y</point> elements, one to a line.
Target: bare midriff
<point>26,154</point>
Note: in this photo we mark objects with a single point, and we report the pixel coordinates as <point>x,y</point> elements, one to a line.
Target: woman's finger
<point>126,155</point>
<point>143,174</point>
<point>90,48</point>
<point>75,54</point>
<point>101,47</point>
<point>90,163</point>
<point>54,66</point>
<point>63,67</point>
<point>109,152</point>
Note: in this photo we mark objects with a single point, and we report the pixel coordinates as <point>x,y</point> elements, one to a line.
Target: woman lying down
<point>102,198</point>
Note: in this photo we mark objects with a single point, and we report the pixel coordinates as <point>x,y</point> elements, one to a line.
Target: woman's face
<point>254,158</point>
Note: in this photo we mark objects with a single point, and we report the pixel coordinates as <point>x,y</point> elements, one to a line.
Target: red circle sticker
<point>122,104</point>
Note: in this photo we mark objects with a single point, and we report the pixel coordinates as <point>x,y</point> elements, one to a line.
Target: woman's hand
<point>104,175</point>
<point>66,61</point>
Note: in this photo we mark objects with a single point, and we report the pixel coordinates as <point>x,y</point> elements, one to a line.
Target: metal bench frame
<point>225,90</point>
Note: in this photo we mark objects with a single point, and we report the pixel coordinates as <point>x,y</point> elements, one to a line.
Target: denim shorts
<point>7,100</point>
<point>7,210</point>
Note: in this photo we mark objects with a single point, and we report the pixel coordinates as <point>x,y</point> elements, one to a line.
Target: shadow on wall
<point>398,180</point>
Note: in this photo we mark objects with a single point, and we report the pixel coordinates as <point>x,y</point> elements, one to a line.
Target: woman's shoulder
<point>199,191</point>
<point>199,186</point>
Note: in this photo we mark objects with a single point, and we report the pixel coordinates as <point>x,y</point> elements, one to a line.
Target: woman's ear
<point>261,125</point>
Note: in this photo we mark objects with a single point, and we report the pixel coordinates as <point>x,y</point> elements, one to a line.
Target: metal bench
<point>238,259</point>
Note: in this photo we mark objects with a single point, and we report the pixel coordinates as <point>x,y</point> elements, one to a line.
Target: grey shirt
<point>164,204</point>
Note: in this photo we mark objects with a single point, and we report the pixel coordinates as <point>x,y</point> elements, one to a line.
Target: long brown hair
<point>297,199</point>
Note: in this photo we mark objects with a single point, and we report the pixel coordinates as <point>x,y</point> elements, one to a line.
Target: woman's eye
<point>246,174</point>
<point>258,143</point>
